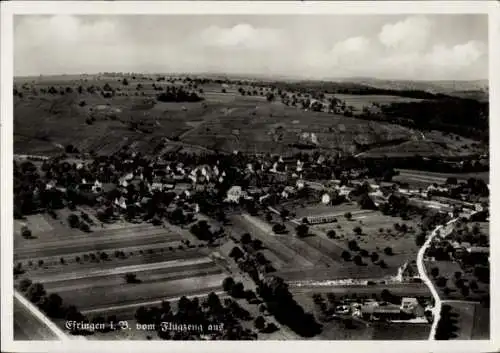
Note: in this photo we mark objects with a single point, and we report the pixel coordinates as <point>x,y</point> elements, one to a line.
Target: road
<point>31,324</point>
<point>443,231</point>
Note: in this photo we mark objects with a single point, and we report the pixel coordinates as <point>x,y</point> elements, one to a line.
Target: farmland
<point>471,320</point>
<point>426,178</point>
<point>377,233</point>
<point>224,121</point>
<point>360,101</point>
<point>317,257</point>
<point>73,264</point>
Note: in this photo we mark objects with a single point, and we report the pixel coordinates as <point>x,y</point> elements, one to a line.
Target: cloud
<point>410,34</point>
<point>242,36</point>
<point>402,49</point>
<point>351,45</point>
<point>458,56</point>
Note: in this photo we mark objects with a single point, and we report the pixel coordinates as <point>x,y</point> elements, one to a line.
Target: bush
<point>130,278</point>
<point>246,238</point>
<point>388,251</point>
<point>435,272</point>
<point>358,230</point>
<point>348,215</point>
<point>279,228</point>
<point>353,245</point>
<point>346,255</point>
<point>331,234</point>
<point>358,260</point>
<point>24,284</point>
<point>302,230</point>
<point>227,284</point>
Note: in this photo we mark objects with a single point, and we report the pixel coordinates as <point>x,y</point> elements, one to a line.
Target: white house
<point>234,194</point>
<point>326,199</point>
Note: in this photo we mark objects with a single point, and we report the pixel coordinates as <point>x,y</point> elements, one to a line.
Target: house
<point>234,194</point>
<point>478,250</point>
<point>326,199</point>
<point>381,312</point>
<point>408,303</point>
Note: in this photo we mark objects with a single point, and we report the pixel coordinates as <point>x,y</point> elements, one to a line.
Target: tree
<point>388,251</point>
<point>26,232</point>
<point>238,290</point>
<point>125,82</point>
<point>465,291</point>
<point>451,181</point>
<point>358,260</point>
<point>353,245</point>
<point>141,315</point>
<point>236,253</point>
<point>35,292</point>
<point>54,305</point>
<point>435,272</point>
<point>441,281</point>
<point>358,230</point>
<point>257,244</point>
<point>458,275</point>
<point>374,257</point>
<point>382,264</point>
<point>73,220</point>
<point>366,203</point>
<point>302,230</point>
<point>420,239</point>
<point>227,284</point>
<point>130,278</point>
<point>331,234</point>
<point>84,227</point>
<point>260,323</point>
<point>346,255</point>
<point>24,284</point>
<point>386,296</point>
<point>348,216</point>
<point>279,228</point>
<point>246,238</point>
<point>473,285</point>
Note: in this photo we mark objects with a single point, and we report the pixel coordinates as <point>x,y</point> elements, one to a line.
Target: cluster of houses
<point>410,310</point>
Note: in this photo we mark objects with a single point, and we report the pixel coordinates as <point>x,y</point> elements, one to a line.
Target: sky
<point>409,47</point>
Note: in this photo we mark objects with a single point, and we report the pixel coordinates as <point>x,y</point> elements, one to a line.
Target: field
<point>224,121</point>
<point>416,177</point>
<point>360,101</point>
<point>378,232</point>
<point>86,271</point>
<point>447,269</point>
<point>317,257</point>
<point>472,320</point>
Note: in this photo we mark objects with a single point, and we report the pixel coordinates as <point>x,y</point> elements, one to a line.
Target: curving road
<point>436,311</point>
